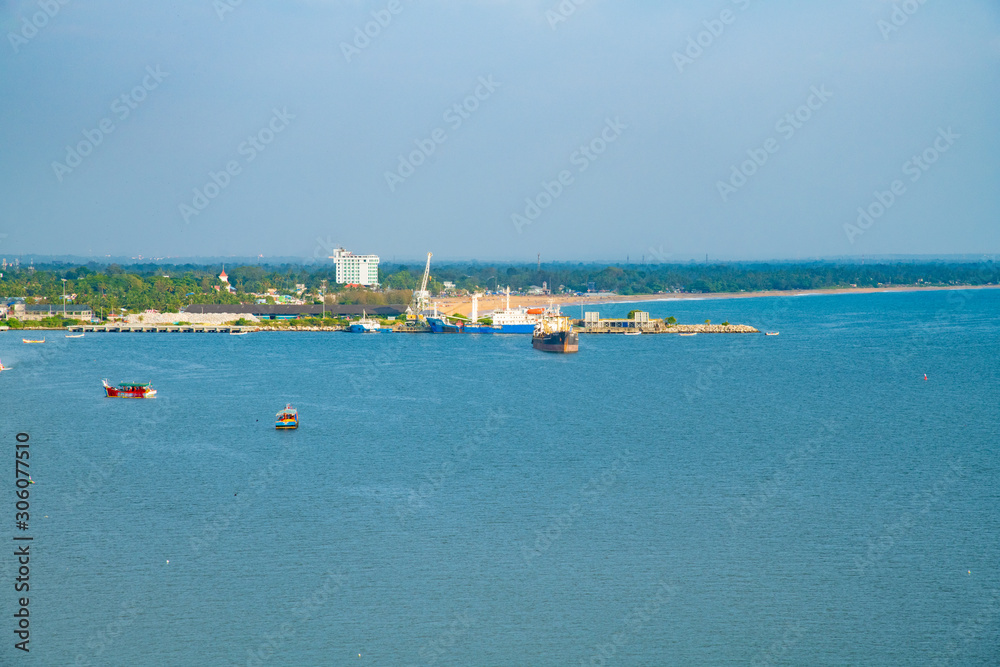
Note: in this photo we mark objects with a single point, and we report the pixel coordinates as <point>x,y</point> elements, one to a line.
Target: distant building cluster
<point>17,309</point>
<point>355,269</point>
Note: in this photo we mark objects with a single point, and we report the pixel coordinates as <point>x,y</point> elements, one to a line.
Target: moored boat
<point>441,325</point>
<point>771,333</point>
<point>287,418</point>
<point>515,320</point>
<point>364,325</point>
<point>29,340</point>
<point>415,325</point>
<point>555,334</point>
<point>469,326</point>
<point>79,335</point>
<point>129,390</point>
<point>480,328</point>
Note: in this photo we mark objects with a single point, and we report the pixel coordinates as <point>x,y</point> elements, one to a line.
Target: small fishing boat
<point>74,335</point>
<point>771,333</point>
<point>238,333</point>
<point>129,390</point>
<point>4,368</point>
<point>28,340</point>
<point>287,418</point>
<point>688,334</point>
<point>633,332</point>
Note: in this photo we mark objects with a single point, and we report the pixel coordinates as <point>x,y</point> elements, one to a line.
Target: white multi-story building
<point>355,269</point>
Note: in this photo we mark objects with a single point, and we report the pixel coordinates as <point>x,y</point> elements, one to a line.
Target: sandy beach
<point>463,305</point>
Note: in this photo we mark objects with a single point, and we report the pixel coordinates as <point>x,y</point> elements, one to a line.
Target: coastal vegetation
<point>629,279</point>
<point>44,323</point>
<point>114,289</point>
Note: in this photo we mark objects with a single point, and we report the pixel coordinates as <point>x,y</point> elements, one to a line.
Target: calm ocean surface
<point>803,499</point>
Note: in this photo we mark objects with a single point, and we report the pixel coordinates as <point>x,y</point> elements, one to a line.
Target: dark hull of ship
<point>560,341</point>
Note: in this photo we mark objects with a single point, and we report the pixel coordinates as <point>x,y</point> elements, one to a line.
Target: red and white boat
<point>129,390</point>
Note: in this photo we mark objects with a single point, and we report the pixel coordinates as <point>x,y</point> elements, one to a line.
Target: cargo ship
<point>129,390</point>
<point>470,326</point>
<point>555,334</point>
<point>516,320</point>
<point>441,325</point>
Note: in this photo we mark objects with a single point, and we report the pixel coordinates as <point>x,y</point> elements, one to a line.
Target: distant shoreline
<point>462,305</point>
<point>637,298</point>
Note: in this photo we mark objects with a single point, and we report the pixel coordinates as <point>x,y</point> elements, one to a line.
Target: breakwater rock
<point>659,327</point>
<point>297,328</point>
<point>710,328</point>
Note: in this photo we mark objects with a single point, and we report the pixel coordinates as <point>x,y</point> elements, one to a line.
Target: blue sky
<point>274,128</point>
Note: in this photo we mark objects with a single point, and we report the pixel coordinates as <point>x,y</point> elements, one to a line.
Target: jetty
<point>189,328</point>
<point>641,322</point>
<point>159,328</point>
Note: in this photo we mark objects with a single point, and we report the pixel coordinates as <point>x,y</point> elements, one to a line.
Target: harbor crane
<point>419,301</point>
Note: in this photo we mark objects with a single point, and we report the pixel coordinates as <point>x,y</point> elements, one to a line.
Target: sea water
<point>807,498</point>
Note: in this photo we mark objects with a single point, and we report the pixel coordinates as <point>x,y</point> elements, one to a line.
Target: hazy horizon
<point>235,260</point>
<point>501,129</point>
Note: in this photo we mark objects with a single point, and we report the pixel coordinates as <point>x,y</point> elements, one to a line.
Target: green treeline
<point>108,288</point>
<point>704,278</point>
